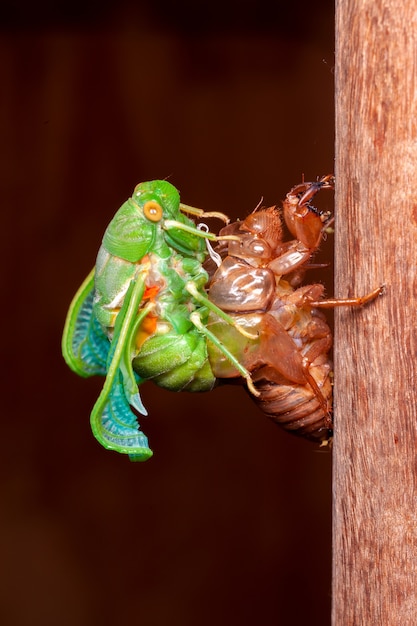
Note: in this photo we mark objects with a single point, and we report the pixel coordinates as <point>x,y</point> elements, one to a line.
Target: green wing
<point>115,425</point>
<point>112,421</point>
<point>85,346</point>
<point>88,352</point>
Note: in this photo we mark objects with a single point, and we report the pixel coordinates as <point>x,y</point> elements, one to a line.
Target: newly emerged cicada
<point>141,314</point>
<point>257,283</point>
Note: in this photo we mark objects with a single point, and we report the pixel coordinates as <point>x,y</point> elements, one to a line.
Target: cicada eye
<point>153,211</point>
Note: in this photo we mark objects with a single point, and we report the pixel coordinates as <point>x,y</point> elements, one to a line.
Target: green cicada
<point>141,313</point>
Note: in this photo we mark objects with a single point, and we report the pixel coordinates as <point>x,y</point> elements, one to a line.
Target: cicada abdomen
<point>257,283</point>
<point>297,395</point>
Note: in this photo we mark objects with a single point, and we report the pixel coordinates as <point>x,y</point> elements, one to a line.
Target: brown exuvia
<point>257,282</point>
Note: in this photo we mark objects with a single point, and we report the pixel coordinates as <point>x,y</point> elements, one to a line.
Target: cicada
<point>142,312</point>
<point>258,284</point>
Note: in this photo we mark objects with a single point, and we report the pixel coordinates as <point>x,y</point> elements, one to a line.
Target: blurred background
<point>230,522</point>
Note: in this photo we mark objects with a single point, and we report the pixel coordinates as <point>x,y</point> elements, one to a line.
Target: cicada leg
<point>331,303</point>
<point>168,224</point>
<point>192,210</point>
<point>196,320</point>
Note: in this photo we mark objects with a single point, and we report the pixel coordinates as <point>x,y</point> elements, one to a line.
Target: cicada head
<point>159,192</point>
<point>160,203</point>
<point>133,232</point>
<point>265,223</point>
<point>259,235</point>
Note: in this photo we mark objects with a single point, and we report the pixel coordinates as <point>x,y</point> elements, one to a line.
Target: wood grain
<point>375,496</point>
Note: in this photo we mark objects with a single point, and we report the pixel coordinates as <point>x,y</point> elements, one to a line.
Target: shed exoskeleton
<point>257,283</point>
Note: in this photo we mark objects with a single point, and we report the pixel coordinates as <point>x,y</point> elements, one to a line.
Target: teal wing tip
<point>137,448</point>
<point>140,457</point>
<point>121,438</point>
<point>137,452</point>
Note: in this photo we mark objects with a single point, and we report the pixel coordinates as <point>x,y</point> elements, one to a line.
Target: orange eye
<point>152,211</point>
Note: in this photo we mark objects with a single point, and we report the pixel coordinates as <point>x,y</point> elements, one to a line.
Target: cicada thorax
<point>166,347</point>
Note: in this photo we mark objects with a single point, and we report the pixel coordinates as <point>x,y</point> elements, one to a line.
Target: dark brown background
<point>229,523</point>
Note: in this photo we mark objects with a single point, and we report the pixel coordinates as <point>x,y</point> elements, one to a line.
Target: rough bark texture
<point>375,496</point>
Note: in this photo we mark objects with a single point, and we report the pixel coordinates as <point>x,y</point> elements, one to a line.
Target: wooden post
<point>375,446</point>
